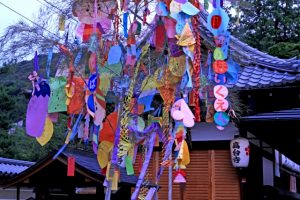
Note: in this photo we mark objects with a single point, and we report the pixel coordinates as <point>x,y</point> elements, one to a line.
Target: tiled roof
<point>12,167</point>
<point>85,161</point>
<point>259,77</point>
<point>258,69</point>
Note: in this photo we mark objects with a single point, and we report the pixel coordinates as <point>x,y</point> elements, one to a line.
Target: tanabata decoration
<point>217,23</point>
<point>47,133</point>
<point>37,108</point>
<point>217,20</point>
<point>57,101</point>
<point>119,92</point>
<point>183,117</point>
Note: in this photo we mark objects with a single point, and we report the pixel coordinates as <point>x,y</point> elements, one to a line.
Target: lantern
<point>240,152</point>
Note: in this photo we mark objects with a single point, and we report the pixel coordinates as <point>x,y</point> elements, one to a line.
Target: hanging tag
<point>71,166</point>
<point>129,166</point>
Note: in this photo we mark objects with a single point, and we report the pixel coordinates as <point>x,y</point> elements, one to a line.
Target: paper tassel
<point>109,171</point>
<point>62,20</point>
<point>71,166</point>
<point>129,166</point>
<point>150,194</point>
<point>115,180</point>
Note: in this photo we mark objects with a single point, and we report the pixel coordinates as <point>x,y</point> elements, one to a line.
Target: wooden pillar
<point>18,192</point>
<point>100,192</point>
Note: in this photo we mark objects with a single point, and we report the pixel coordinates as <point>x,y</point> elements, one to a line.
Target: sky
<point>24,7</point>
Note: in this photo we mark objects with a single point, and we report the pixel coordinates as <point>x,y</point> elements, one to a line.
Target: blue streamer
<point>72,136</point>
<point>36,62</point>
<point>125,24</point>
<point>60,151</point>
<point>50,55</point>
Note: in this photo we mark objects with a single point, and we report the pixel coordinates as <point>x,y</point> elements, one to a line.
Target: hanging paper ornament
<point>221,118</point>
<point>232,72</point>
<point>114,55</point>
<point>37,110</point>
<point>220,66</point>
<point>99,113</point>
<point>218,54</point>
<point>217,20</point>
<point>170,26</point>
<point>160,37</point>
<point>181,1</point>
<point>57,101</point>
<point>90,103</point>
<point>221,105</point>
<point>47,133</point>
<point>175,7</point>
<point>177,65</point>
<point>220,79</point>
<point>179,177</point>
<point>175,50</point>
<point>92,83</point>
<point>76,101</point>
<point>161,9</point>
<point>186,38</point>
<point>220,91</point>
<point>181,111</point>
<point>103,155</point>
<point>189,9</point>
<point>125,24</point>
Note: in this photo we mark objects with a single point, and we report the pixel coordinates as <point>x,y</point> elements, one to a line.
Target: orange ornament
<point>220,66</point>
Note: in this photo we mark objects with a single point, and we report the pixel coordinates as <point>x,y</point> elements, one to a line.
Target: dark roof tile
<point>12,167</point>
<point>252,83</point>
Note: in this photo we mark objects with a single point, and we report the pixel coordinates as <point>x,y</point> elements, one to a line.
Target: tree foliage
<point>265,23</point>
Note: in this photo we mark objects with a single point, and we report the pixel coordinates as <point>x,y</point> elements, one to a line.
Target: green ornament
<point>218,54</point>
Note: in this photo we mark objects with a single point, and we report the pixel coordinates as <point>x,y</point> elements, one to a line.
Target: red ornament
<point>216,21</point>
<point>220,66</point>
<point>71,166</point>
